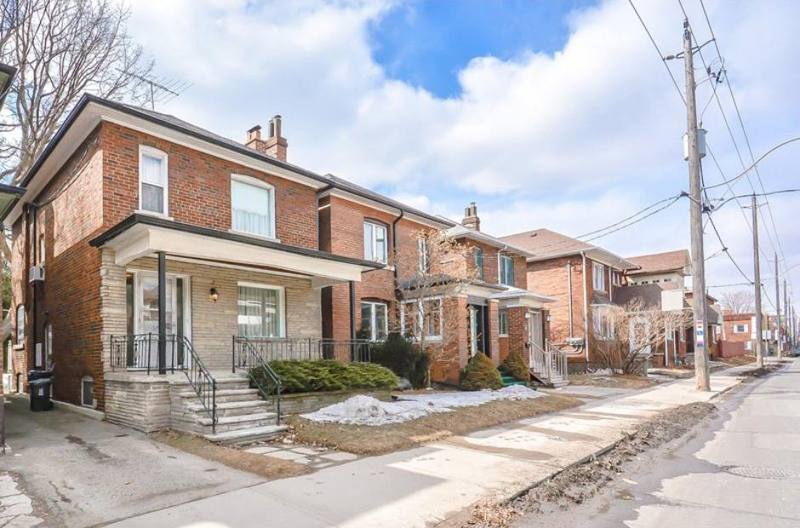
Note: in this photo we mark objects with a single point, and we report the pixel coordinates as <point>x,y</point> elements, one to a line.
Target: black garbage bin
<point>40,385</point>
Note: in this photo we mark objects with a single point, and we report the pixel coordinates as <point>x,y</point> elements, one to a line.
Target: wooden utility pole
<point>757,280</point>
<point>786,334</point>
<point>702,379</point>
<point>778,338</point>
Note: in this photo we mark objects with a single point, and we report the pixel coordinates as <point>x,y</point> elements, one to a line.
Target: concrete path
<point>83,472</point>
<point>425,485</point>
<point>742,470</point>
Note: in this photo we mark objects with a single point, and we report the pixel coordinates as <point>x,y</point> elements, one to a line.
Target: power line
<point>770,193</point>
<point>631,216</point>
<point>752,165</point>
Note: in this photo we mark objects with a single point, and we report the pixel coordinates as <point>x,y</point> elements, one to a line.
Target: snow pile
<point>365,410</point>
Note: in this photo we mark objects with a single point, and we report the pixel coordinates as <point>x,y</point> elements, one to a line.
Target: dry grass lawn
<point>739,360</point>
<point>617,381</point>
<point>268,467</point>
<point>365,440</point>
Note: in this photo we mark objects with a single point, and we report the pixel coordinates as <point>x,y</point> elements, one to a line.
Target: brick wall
<point>491,264</point>
<point>199,187</point>
<point>68,299</point>
<point>551,278</point>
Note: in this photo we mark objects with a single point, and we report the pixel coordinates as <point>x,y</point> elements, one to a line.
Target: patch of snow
<point>365,410</point>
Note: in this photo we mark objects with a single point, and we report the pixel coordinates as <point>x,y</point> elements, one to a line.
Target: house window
<point>479,262</point>
<point>506,270</point>
<point>502,316</point>
<point>87,391</point>
<point>252,206</point>
<point>740,329</point>
<point>598,276</point>
<point>422,250</point>
<point>261,311</point>
<point>41,249</point>
<point>20,324</point>
<point>153,181</point>
<point>374,321</point>
<point>375,242</point>
<point>601,322</point>
<point>420,316</point>
<point>616,278</point>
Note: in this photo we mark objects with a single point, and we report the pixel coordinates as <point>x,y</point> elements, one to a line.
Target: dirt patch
<point>582,482</point>
<point>617,381</point>
<point>366,440</point>
<point>762,371</point>
<point>738,361</point>
<point>264,466</point>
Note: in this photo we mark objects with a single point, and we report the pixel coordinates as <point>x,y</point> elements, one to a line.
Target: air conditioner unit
<point>36,273</point>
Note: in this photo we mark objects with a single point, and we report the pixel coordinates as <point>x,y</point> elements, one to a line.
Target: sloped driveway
<point>83,472</point>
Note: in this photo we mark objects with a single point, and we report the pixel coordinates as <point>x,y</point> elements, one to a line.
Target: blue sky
<point>547,114</point>
<point>427,43</point>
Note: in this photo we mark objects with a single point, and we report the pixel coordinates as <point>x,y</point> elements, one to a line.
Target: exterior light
<point>213,294</point>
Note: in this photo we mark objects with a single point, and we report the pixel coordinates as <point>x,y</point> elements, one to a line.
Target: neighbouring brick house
<point>581,277</point>
<point>739,329</point>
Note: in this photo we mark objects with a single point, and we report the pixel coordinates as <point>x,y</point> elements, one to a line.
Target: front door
<point>146,318</point>
<point>477,330</point>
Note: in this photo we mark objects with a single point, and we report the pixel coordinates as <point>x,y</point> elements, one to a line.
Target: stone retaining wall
<point>306,402</point>
<point>138,401</point>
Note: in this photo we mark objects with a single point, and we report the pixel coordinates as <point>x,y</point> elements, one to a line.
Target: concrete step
<point>238,408</point>
<point>225,396</point>
<point>243,419</point>
<point>246,436</point>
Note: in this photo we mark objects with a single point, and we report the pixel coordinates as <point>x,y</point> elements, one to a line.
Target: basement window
<point>87,392</point>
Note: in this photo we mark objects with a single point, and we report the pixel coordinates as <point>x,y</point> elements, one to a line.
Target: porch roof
<point>141,235</point>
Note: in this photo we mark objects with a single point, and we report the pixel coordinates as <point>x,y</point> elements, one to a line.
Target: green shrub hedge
<point>515,366</point>
<point>328,375</point>
<point>480,374</point>
<point>403,357</point>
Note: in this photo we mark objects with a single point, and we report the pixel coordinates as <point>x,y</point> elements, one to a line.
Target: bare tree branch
<point>739,302</point>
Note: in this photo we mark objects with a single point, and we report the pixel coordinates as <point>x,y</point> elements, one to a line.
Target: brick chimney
<point>471,218</point>
<point>275,144</point>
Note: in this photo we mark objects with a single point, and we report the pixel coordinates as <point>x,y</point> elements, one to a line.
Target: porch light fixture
<point>213,294</point>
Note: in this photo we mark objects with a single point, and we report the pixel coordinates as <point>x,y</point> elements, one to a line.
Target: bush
<point>480,374</point>
<point>403,357</point>
<point>516,367</point>
<point>327,375</point>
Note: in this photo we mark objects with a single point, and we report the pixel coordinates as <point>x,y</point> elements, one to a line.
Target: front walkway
<point>425,485</point>
<point>85,472</point>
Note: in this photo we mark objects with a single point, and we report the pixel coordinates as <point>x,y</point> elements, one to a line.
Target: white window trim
<point>500,267</point>
<point>499,326</point>
<point>20,338</point>
<point>373,319</point>
<point>374,242</point>
<point>154,152</point>
<point>255,182</point>
<point>422,250</point>
<point>598,273</point>
<point>281,299</point>
<point>420,314</point>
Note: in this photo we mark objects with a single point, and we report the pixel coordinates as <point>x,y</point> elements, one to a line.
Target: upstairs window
<point>252,206</point>
<point>375,242</point>
<point>153,181</point>
<point>479,262</point>
<point>422,250</point>
<point>740,329</point>
<point>506,270</point>
<point>599,276</point>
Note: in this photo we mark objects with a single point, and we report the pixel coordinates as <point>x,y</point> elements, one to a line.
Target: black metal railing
<point>299,349</point>
<point>139,352</point>
<point>248,357</point>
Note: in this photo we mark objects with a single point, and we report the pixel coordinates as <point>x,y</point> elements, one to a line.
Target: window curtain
<point>252,209</point>
<point>260,312</point>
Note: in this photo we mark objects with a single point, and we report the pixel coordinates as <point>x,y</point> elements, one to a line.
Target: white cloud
<point>570,141</point>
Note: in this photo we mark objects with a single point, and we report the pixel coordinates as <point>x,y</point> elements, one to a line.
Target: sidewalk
<point>426,485</point>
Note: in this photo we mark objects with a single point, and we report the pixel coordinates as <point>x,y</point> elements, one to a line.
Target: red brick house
<point>581,277</point>
<point>144,244</point>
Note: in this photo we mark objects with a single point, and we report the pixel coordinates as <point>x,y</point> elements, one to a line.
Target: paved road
<point>743,470</point>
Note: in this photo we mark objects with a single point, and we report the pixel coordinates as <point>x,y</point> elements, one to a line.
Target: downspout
<point>569,295</point>
<point>394,243</point>
<point>585,309</point>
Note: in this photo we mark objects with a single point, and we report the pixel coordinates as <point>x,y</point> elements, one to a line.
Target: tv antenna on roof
<point>160,90</point>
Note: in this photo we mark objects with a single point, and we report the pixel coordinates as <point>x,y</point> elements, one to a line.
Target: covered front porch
<point>204,305</point>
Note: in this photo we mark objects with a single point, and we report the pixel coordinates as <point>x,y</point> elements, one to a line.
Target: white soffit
<point>143,240</point>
